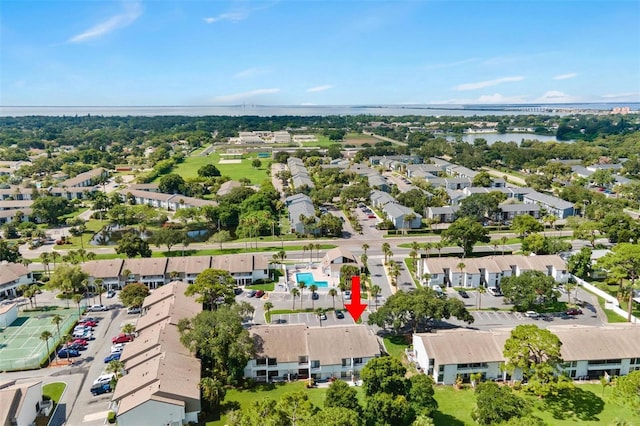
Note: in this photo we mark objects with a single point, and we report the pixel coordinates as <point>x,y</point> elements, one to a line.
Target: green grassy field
<point>586,404</point>
<point>189,168</point>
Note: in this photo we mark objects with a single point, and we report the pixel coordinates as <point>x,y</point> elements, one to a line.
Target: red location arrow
<point>355,308</point>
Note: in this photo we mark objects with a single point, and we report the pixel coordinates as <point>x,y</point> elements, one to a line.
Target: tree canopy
<point>464,233</point>
<point>496,404</point>
<point>213,286</point>
<point>529,289</point>
<point>133,294</point>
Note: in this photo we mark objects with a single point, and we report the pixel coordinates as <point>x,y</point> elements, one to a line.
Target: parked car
<point>259,294</point>
<point>117,348</point>
<point>251,293</point>
<point>83,334</point>
<point>113,357</point>
<point>97,308</point>
<point>82,328</point>
<point>100,388</point>
<point>122,338</point>
<point>82,342</point>
<point>315,296</point>
<point>237,291</point>
<point>89,324</point>
<point>74,346</point>
<point>104,378</point>
<point>339,314</point>
<point>347,295</point>
<point>532,314</point>
<point>134,310</point>
<point>111,294</point>
<point>463,294</point>
<point>93,319</point>
<point>494,291</point>
<point>323,316</point>
<point>68,353</point>
<point>573,311</point>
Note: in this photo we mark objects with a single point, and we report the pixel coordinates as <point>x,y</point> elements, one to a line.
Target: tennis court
<point>20,345</point>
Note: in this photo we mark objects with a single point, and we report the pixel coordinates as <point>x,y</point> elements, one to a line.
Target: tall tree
<point>464,233</point>
<point>496,404</point>
<point>213,285</point>
<point>529,289</point>
<point>340,394</point>
<point>133,294</point>
<point>45,336</point>
<point>384,375</point>
<point>624,260</point>
<point>67,279</point>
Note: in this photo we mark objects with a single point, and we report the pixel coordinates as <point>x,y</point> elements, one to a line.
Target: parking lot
<point>311,319</point>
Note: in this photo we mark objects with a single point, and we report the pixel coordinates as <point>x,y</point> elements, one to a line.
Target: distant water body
<point>311,110</point>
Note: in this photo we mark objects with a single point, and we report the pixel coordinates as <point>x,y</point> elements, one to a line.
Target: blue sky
<point>316,52</point>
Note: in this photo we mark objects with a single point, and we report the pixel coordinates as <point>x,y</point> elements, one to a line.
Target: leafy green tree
<point>482,179</point>
<point>464,233</point>
<point>221,237</point>
<point>384,409</point>
<point>259,413</point>
<point>423,421</point>
<point>67,279</point>
<point>334,416</point>
<point>132,245</point>
<point>213,391</point>
<point>418,310</point>
<point>220,340</point>
<point>525,224</point>
<point>168,237</point>
<point>9,252</point>
<point>208,170</point>
<point>133,294</point>
<point>579,264</point>
<point>213,285</point>
<point>296,408</point>
<point>384,374</point>
<point>624,261</point>
<point>478,206</point>
<point>256,163</point>
<point>421,395</point>
<point>171,184</point>
<point>496,404</point>
<point>626,390</point>
<point>330,226</point>
<point>529,289</point>
<point>50,208</point>
<point>536,352</point>
<point>340,394</point>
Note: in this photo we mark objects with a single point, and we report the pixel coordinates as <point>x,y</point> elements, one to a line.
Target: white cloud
<point>487,83</point>
<point>244,95</point>
<point>320,88</point>
<point>496,98</point>
<point>565,76</point>
<point>628,95</point>
<point>251,72</point>
<point>555,96</point>
<point>132,12</point>
<point>229,16</point>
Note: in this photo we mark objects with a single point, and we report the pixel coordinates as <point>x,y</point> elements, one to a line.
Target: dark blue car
<point>68,353</point>
<point>101,388</point>
<point>113,357</point>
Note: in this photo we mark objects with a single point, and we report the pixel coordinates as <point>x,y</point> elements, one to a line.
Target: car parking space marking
<point>101,415</point>
<point>518,315</point>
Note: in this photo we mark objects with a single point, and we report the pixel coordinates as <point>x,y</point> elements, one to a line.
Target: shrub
<point>111,417</point>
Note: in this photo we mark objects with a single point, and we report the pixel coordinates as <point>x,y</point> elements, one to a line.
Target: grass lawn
<point>93,226</point>
<point>396,345</point>
<point>263,287</point>
<point>189,167</point>
<point>54,392</point>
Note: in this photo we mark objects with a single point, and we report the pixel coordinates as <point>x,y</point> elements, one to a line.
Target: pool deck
<point>314,270</point>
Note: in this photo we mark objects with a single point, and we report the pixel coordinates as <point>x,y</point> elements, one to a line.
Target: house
<point>380,198</point>
<point>460,171</point>
<point>447,354</point>
<point>171,202</point>
<point>16,193</point>
<point>148,271</point>
<point>334,259</point>
<point>20,403</point>
<point>72,193</point>
<point>86,179</point>
<point>299,175</point>
<point>378,181</point>
<point>289,352</point>
<point>108,271</point>
<point>553,205</point>
<point>299,209</point>
<point>451,183</point>
<point>398,214</point>
<point>13,275</point>
<point>149,187</point>
<point>186,268</point>
<point>227,187</point>
<point>446,214</point>
<point>488,271</point>
<point>8,313</point>
<point>422,170</point>
<point>509,211</point>
<point>161,384</point>
<point>244,268</point>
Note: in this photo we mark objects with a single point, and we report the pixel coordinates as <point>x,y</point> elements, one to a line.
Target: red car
<point>573,311</point>
<point>90,323</point>
<point>122,338</point>
<point>259,293</point>
<point>82,342</point>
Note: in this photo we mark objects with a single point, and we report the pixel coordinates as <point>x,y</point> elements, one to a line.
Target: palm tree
<point>365,247</point>
<point>426,277</point>
<point>45,259</point>
<point>439,246</point>
<point>213,391</point>
<point>407,219</point>
<point>386,248</point>
<point>313,289</point>
<point>461,267</point>
<point>125,275</point>
<point>57,319</point>
<point>267,307</point>
<point>481,290</point>
<point>503,241</point>
<point>116,367</point>
<point>569,287</point>
<point>414,259</point>
<point>317,247</point>
<point>45,336</point>
<point>97,284</point>
<point>301,285</point>
<point>77,298</point>
<point>495,246</point>
<point>333,293</point>
<point>128,328</point>
<point>55,256</point>
<point>310,248</point>
<point>375,291</point>
<point>66,339</point>
<point>82,253</point>
<point>343,286</point>
<point>319,312</point>
<point>295,293</point>
<point>427,247</point>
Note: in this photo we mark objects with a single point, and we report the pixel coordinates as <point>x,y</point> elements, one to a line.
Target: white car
<point>532,314</point>
<point>118,347</point>
<point>347,295</point>
<point>104,378</point>
<point>97,308</point>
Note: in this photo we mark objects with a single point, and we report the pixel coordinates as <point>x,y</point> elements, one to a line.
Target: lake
<point>492,138</point>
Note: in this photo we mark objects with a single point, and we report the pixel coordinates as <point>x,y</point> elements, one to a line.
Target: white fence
<point>611,302</point>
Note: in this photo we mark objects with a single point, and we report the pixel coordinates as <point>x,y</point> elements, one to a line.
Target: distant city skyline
<point>283,52</point>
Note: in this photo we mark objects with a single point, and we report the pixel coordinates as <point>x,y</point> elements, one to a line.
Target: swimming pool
<point>307,278</point>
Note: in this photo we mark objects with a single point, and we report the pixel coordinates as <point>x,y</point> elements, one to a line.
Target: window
<point>303,359</point>
<point>272,361</point>
<point>357,361</point>
<point>261,361</point>
<point>315,364</point>
<point>261,373</point>
<point>346,362</point>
